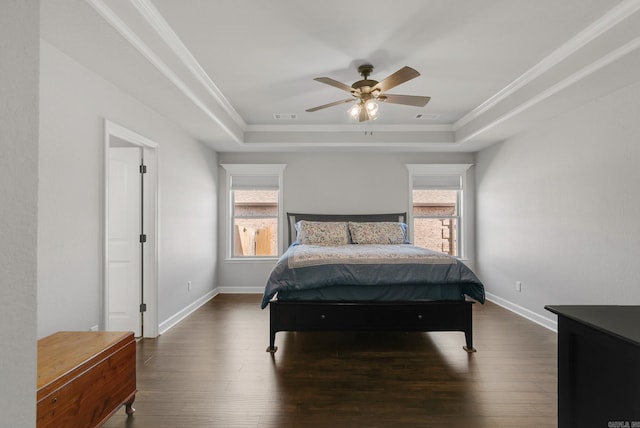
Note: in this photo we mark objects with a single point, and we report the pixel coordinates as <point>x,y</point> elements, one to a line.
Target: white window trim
<point>445,169</point>
<point>257,170</point>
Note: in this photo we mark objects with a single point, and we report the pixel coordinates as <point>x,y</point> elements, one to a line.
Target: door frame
<point>115,134</point>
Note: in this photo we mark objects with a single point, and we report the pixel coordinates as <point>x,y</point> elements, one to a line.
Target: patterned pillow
<point>328,233</point>
<point>378,233</point>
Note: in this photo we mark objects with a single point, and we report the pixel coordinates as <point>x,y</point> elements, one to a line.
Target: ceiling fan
<point>368,92</point>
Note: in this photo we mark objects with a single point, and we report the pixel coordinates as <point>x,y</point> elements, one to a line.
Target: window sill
<point>251,259</point>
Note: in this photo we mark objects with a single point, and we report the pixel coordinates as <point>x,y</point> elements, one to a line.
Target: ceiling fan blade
<point>335,103</point>
<point>410,100</point>
<point>331,82</point>
<point>403,75</point>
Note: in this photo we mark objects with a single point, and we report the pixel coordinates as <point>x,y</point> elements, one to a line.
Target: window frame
<point>456,217</point>
<point>434,170</point>
<point>248,170</point>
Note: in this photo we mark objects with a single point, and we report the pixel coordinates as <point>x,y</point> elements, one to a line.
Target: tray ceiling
<point>238,75</point>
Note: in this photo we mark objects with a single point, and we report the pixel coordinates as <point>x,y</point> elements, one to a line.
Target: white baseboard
<point>549,323</point>
<point>241,290</point>
<point>175,319</point>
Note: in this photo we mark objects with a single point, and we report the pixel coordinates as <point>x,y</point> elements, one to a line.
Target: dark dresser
<point>598,366</point>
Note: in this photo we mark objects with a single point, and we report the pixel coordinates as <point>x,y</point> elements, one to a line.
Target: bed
<point>360,273</point>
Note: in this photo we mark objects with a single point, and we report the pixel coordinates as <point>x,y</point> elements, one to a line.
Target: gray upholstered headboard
<point>293,218</point>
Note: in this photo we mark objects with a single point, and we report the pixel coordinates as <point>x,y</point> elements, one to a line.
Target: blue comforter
<point>304,267</point>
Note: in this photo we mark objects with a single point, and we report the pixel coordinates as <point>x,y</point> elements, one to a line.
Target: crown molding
<point>563,84</point>
<point>153,17</point>
<point>358,128</point>
<point>609,20</point>
<point>119,25</point>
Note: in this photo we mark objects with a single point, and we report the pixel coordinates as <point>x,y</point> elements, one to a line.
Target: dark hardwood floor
<point>212,370</point>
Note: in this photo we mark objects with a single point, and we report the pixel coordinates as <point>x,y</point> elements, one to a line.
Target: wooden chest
<point>84,378</point>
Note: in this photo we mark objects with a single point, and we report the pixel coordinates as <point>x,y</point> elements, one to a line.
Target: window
<point>437,207</point>
<point>255,194</point>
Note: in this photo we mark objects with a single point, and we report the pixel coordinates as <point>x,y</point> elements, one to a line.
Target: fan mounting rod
<point>365,70</point>
<point>364,86</point>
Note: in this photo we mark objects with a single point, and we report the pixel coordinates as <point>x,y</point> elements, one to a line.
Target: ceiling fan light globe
<point>372,107</point>
<point>355,111</point>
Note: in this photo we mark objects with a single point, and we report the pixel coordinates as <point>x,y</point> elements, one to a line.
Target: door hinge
<point>143,238</point>
<point>143,307</point>
<point>143,169</point>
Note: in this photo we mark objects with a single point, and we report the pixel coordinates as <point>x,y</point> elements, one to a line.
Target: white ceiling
<point>222,69</point>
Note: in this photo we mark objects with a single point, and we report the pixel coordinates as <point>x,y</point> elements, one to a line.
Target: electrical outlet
<point>519,286</point>
<point>94,328</point>
<point>188,285</point>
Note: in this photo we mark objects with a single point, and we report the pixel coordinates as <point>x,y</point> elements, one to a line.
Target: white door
<point>124,264</point>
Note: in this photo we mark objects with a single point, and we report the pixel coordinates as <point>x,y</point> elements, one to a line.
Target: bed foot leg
<point>468,333</point>
<point>272,336</point>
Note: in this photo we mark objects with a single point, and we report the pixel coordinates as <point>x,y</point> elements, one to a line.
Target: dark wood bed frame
<point>423,316</point>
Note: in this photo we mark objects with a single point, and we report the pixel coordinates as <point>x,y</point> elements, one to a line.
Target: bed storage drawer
<point>84,377</point>
<point>369,316</point>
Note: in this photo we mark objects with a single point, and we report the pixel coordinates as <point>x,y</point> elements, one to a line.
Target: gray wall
<point>19,34</point>
<point>74,102</point>
<point>558,209</point>
<point>326,183</point>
